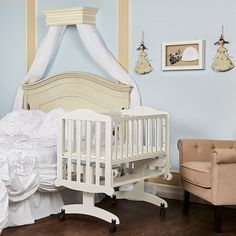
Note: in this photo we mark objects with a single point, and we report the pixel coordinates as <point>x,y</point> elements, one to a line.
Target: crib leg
<point>88,208</point>
<point>138,194</point>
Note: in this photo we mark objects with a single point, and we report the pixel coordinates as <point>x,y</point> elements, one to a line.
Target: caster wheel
<point>167,176</point>
<point>113,200</point>
<point>112,227</point>
<point>162,210</point>
<point>117,189</point>
<point>62,215</point>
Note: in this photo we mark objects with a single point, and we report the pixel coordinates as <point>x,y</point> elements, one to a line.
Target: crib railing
<point>92,145</point>
<point>140,137</point>
<point>84,162</point>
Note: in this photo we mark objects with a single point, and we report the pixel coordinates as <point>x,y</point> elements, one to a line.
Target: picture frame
<point>183,55</point>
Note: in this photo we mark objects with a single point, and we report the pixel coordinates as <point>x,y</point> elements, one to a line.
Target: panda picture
<point>175,57</point>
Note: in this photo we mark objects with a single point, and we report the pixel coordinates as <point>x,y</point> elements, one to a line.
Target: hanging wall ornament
<point>143,66</point>
<point>222,60</point>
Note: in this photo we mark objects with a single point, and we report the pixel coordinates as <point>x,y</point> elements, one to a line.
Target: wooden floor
<point>137,218</point>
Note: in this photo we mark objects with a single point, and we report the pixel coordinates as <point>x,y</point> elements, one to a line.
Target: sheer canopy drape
<point>102,56</point>
<point>95,46</point>
<point>43,58</point>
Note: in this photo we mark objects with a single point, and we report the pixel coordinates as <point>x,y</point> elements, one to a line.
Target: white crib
<point>99,152</point>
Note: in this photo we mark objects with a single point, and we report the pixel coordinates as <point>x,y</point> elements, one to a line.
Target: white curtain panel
<point>102,56</point>
<point>43,58</point>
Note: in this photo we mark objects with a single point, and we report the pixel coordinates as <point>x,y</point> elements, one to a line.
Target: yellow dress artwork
<point>143,66</point>
<point>222,61</point>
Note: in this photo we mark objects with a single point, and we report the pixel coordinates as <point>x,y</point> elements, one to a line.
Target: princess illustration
<point>143,66</point>
<point>222,61</point>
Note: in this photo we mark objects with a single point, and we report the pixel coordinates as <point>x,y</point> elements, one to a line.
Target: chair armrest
<point>224,156</point>
<point>223,175</point>
<point>201,150</point>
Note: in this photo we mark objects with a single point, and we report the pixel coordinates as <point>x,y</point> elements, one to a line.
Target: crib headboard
<point>74,90</point>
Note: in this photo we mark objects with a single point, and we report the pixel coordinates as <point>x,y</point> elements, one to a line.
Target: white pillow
<point>21,122</point>
<point>35,120</point>
<point>12,123</point>
<point>49,127</point>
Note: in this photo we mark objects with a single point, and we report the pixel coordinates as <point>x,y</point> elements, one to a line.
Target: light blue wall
<point>201,103</point>
<point>72,56</point>
<point>12,50</point>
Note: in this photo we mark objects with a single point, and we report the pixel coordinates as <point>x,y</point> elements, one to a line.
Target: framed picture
<point>186,55</point>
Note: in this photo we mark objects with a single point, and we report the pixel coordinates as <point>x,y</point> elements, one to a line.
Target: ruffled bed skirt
<point>37,206</point>
<point>40,205</point>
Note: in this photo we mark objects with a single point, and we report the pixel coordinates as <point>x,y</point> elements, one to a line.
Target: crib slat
<point>98,151</point>
<point>116,140</point>
<point>156,129</point>
<point>108,164</point>
<point>66,134</point>
<point>88,151</point>
<point>70,135</point>
<point>131,138</point>
<point>156,140</point>
<point>61,149</point>
<point>147,139</point>
<point>141,131</point>
<point>78,149</point>
<point>62,135</point>
<point>150,135</point>
<point>137,137</point>
<point>158,134</point>
<point>164,134</point>
<point>126,138</point>
<point>161,134</point>
<point>121,132</point>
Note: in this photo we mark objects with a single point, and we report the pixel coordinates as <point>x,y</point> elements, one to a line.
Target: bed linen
<point>27,175</point>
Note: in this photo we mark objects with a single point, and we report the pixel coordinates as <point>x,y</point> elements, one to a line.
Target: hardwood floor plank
<point>137,219</point>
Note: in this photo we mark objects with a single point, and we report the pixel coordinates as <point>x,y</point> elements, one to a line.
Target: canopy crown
<point>71,16</point>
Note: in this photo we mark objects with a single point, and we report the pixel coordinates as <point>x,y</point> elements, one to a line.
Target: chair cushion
<point>197,173</point>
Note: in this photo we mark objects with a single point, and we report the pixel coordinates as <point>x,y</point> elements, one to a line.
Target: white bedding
<point>28,167</point>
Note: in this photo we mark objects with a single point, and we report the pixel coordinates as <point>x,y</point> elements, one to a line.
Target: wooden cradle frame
<point>81,90</point>
<point>136,147</point>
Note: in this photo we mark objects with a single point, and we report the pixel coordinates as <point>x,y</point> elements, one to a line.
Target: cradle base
<point>138,194</point>
<point>88,208</point>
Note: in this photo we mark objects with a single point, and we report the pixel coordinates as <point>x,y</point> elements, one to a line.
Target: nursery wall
<point>200,103</point>
<point>12,50</point>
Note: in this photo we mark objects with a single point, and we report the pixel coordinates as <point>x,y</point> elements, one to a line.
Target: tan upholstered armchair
<point>208,170</point>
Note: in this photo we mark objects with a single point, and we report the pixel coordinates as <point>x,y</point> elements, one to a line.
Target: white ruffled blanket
<point>27,156</point>
<point>25,167</point>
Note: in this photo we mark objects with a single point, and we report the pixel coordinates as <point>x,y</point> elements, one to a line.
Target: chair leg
<point>186,203</point>
<point>218,218</point>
